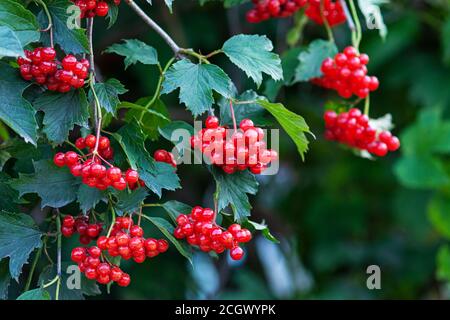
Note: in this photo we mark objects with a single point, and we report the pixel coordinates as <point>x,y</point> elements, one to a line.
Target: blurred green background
<point>335,214</point>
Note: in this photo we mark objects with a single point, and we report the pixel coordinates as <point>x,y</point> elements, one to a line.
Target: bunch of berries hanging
<point>244,149</point>
<point>353,129</point>
<point>266,9</point>
<point>200,229</point>
<point>346,73</point>
<point>315,10</point>
<point>125,240</point>
<point>42,66</point>
<point>87,231</point>
<point>92,8</point>
<point>92,167</point>
<point>332,12</point>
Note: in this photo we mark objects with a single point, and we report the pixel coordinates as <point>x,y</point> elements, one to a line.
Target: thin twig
<point>325,22</point>
<point>50,21</point>
<point>149,21</point>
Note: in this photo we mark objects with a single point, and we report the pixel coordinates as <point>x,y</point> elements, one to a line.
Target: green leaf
<point>15,111</point>
<point>71,40</point>
<point>155,117</point>
<point>232,190</point>
<point>62,113</point>
<point>8,196</point>
<point>20,20</point>
<point>421,171</point>
<point>156,175</point>
<point>196,83</point>
<point>19,236</point>
<point>294,124</point>
<point>167,229</point>
<point>113,13</point>
<point>89,197</point>
<point>175,208</point>
<point>10,45</point>
<point>108,94</point>
<point>443,263</point>
<point>372,12</point>
<point>241,111</point>
<point>439,214</point>
<point>56,186</point>
<point>135,51</point>
<point>252,54</point>
<point>35,294</point>
<point>264,230</point>
<point>311,59</point>
<point>129,202</point>
<point>5,279</point>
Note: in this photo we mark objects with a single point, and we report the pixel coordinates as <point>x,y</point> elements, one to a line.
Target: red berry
<point>59,159</point>
<point>78,254</point>
<point>90,141</point>
<point>131,176</point>
<point>236,253</point>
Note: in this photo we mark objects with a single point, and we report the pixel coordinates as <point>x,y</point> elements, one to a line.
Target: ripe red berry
<point>59,159</point>
<point>236,253</point>
<point>131,176</point>
<point>90,141</point>
<point>78,254</point>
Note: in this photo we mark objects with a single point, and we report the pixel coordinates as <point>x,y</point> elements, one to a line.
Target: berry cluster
<point>165,156</point>
<point>92,8</point>
<point>87,231</point>
<point>199,229</point>
<point>93,172</point>
<point>88,260</point>
<point>266,9</point>
<point>42,66</point>
<point>245,148</point>
<point>104,146</point>
<point>332,11</point>
<point>353,129</point>
<point>347,74</point>
<point>132,244</point>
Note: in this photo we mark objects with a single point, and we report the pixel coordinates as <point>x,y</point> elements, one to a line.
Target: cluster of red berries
<point>42,66</point>
<point>88,260</point>
<point>87,231</point>
<point>92,8</point>
<point>353,129</point>
<point>332,11</point>
<point>347,74</point>
<point>104,145</point>
<point>199,229</point>
<point>245,148</point>
<point>132,244</point>
<point>266,9</point>
<point>165,156</point>
<point>93,172</point>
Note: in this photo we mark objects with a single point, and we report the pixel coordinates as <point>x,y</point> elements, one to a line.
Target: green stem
<point>113,217</point>
<point>158,88</point>
<point>367,106</point>
<point>357,34</point>
<point>215,52</point>
<point>325,22</point>
<point>50,20</point>
<point>75,147</point>
<point>48,284</point>
<point>58,285</point>
<point>58,262</point>
<point>33,265</point>
<point>192,53</point>
<point>152,205</point>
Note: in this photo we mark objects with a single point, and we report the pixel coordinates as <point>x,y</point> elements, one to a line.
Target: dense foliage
<point>92,171</point>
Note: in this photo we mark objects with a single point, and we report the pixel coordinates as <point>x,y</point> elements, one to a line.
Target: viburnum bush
<point>95,178</point>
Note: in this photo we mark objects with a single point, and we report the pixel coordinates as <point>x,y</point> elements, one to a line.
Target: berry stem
<point>158,88</point>
<point>90,32</point>
<point>325,21</point>
<point>367,106</point>
<point>356,34</point>
<point>33,265</point>
<point>152,24</point>
<point>200,57</point>
<point>233,116</point>
<point>50,21</point>
<point>113,217</point>
<point>75,147</point>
